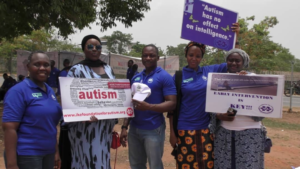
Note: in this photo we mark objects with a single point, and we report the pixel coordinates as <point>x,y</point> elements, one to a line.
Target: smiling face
<point>39,67</point>
<point>94,52</point>
<point>149,57</point>
<point>194,57</point>
<point>234,63</point>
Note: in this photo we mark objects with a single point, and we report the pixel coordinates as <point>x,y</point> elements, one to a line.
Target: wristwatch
<point>124,127</point>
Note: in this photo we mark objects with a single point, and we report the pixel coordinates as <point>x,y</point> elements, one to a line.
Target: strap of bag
<point>178,82</point>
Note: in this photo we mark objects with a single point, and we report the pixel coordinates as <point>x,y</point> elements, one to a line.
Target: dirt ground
<point>284,153</point>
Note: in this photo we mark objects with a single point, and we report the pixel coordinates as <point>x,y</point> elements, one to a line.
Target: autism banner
<point>208,24</point>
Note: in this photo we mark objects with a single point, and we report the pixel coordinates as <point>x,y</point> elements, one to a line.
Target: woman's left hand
<point>242,72</point>
<point>235,28</point>
<point>57,162</point>
<point>93,119</point>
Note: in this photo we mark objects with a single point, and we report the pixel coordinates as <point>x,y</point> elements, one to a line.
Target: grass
<point>282,125</point>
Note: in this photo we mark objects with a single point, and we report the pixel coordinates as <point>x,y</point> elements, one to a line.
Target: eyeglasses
<point>91,47</point>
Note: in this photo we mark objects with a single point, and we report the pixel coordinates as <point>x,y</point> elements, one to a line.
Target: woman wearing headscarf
<point>239,140</point>
<point>90,141</point>
<point>30,116</point>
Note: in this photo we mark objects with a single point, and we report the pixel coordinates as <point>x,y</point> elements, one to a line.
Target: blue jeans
<point>35,162</point>
<point>143,144</point>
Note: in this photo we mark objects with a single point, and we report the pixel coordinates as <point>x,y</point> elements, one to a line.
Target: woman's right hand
<point>173,139</point>
<point>12,167</point>
<point>225,116</point>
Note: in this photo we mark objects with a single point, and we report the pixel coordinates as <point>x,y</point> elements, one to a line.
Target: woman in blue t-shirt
<point>30,116</point>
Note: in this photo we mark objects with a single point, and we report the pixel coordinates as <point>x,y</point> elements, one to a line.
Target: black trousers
<point>64,147</point>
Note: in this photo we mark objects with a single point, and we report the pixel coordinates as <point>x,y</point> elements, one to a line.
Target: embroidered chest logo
<point>137,79</point>
<point>150,80</point>
<point>204,78</point>
<point>188,80</point>
<point>37,95</point>
<point>53,97</point>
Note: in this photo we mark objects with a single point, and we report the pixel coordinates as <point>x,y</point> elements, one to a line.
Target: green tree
<point>178,51</point>
<point>118,41</point>
<point>22,17</point>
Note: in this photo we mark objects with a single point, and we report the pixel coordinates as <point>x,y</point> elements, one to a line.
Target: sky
<point>162,24</point>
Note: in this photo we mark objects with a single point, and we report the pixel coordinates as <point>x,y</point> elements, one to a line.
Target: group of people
<point>200,139</point>
<point>8,83</point>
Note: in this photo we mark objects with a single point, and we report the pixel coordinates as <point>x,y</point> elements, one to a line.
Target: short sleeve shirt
<point>38,114</point>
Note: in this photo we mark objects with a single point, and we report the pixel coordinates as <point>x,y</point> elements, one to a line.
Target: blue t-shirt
<point>161,84</point>
<point>63,73</point>
<point>192,115</point>
<point>52,79</point>
<point>130,74</point>
<point>38,113</point>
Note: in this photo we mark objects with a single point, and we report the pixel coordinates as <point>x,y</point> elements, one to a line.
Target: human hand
<point>141,105</point>
<point>173,139</point>
<point>123,137</point>
<point>235,28</point>
<point>225,116</point>
<point>243,72</point>
<point>12,167</point>
<point>57,161</point>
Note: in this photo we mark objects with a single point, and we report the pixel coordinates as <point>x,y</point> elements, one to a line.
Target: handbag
<point>115,144</point>
<point>267,141</point>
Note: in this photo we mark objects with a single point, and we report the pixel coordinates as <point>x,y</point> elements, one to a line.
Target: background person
<point>135,69</point>
<point>147,128</point>
<point>52,79</point>
<point>90,142</point>
<point>130,72</point>
<point>239,140</point>
<point>30,116</point>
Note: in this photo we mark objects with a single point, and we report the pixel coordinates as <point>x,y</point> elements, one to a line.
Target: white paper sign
<point>103,98</point>
<point>250,95</point>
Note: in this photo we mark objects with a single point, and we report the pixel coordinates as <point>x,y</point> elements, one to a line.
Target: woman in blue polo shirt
<point>194,140</point>
<point>31,114</point>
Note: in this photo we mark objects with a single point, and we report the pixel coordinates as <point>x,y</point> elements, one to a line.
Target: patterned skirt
<point>195,149</point>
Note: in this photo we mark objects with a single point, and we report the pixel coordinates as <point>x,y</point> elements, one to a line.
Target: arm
<point>236,28</point>
<point>57,162</point>
<point>173,138</point>
<point>10,143</point>
<point>168,105</point>
<point>124,133</point>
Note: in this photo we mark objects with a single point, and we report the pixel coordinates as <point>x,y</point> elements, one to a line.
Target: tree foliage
<point>22,17</point>
<point>118,42</point>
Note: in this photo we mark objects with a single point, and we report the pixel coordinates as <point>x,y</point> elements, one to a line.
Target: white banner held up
<point>103,98</point>
<point>250,95</point>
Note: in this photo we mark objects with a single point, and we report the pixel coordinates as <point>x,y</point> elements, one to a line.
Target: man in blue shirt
<point>130,72</point>
<point>52,79</point>
<point>147,129</point>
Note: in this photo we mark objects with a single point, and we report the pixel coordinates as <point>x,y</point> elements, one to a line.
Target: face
<point>130,63</point>
<point>149,57</point>
<point>194,57</point>
<point>39,67</point>
<point>5,77</point>
<point>234,63</point>
<point>92,49</point>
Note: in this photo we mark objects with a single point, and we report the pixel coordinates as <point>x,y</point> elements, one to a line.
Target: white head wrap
<point>243,54</point>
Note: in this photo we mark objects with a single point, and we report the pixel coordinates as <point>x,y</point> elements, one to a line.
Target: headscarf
<point>199,45</point>
<point>243,54</point>
<point>86,61</point>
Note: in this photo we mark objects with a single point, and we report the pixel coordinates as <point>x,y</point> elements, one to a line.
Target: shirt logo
<point>37,95</point>
<point>204,78</point>
<point>53,97</point>
<point>137,79</point>
<point>150,80</point>
<point>188,80</point>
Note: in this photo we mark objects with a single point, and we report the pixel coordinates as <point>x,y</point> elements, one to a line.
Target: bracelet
<point>124,127</point>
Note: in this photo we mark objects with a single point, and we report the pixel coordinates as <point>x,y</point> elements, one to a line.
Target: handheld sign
<point>103,98</point>
<point>250,95</point>
<point>208,24</point>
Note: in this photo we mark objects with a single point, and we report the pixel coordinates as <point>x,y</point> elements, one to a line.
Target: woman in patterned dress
<point>90,141</point>
<point>239,140</point>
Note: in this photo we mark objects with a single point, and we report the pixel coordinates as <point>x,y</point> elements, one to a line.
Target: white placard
<point>250,95</point>
<point>103,98</point>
